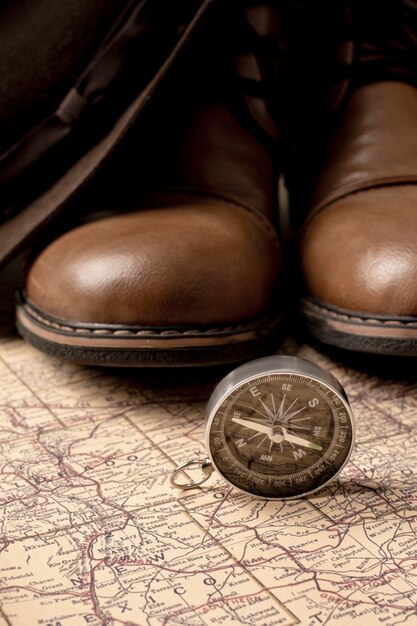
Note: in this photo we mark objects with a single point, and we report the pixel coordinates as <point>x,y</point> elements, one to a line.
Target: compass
<point>279,427</point>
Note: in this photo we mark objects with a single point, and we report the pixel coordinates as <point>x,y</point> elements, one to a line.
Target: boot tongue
<point>387,40</point>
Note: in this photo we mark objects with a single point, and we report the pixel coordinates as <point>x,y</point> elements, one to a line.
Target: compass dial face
<point>280,435</point>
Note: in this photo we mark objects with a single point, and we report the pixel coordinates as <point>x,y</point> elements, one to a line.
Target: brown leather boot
<point>191,278</point>
<point>358,246</point>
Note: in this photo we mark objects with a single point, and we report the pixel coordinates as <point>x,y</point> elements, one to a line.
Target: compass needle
<point>299,440</point>
<point>261,428</point>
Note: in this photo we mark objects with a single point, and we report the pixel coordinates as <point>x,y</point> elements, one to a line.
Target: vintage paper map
<point>92,533</point>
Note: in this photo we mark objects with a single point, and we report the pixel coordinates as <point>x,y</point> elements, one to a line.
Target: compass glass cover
<point>280,435</point>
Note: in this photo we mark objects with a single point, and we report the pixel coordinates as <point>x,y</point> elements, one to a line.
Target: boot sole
<point>116,345</point>
<point>360,332</point>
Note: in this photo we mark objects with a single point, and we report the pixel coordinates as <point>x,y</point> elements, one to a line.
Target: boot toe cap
<point>202,264</point>
<point>360,253</point>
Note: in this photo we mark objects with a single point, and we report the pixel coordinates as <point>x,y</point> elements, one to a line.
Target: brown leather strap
<point>123,66</point>
<point>33,216</point>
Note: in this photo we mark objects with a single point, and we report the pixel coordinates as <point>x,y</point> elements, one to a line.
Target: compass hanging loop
<point>205,465</point>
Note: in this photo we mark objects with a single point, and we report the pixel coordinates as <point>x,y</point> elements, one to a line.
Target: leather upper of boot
<point>358,246</point>
<point>195,261</point>
<point>194,241</point>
